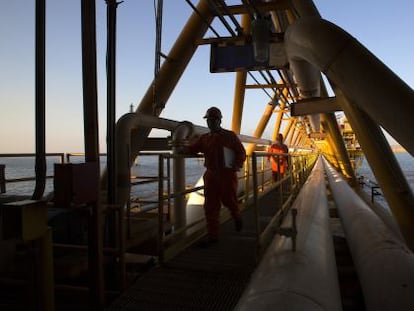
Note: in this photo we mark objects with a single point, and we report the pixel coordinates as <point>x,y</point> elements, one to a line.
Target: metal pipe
<point>111,97</point>
<point>40,161</point>
<point>132,121</point>
<point>350,65</point>
<point>90,121</point>
<point>179,137</point>
<point>384,264</point>
<point>89,81</point>
<point>386,169</point>
<point>335,59</point>
<point>285,279</point>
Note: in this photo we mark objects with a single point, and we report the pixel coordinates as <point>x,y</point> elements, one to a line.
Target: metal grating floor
<point>211,278</point>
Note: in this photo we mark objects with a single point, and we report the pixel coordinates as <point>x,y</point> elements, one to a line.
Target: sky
<point>384,27</point>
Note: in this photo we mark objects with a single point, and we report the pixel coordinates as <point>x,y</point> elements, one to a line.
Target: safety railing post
<point>2,179</point>
<point>290,172</point>
<point>247,178</point>
<point>168,187</point>
<point>255,200</point>
<point>262,167</point>
<point>161,208</point>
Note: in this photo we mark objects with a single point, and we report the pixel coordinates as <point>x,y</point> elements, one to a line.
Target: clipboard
<point>228,156</point>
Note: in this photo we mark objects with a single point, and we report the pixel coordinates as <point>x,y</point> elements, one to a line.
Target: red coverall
<point>283,161</point>
<point>220,183</point>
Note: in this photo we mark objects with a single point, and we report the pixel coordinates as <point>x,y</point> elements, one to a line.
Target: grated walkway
<point>212,278</point>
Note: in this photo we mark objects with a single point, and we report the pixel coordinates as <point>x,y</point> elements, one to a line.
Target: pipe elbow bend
<point>181,134</point>
<point>316,41</point>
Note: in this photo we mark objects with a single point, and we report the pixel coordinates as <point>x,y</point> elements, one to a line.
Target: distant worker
<point>279,162</point>
<point>224,155</point>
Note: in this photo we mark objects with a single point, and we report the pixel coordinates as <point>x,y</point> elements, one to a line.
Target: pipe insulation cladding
<point>362,77</point>
<point>384,264</point>
<point>305,279</point>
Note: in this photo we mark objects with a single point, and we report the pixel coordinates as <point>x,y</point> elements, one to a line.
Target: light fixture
<point>261,37</point>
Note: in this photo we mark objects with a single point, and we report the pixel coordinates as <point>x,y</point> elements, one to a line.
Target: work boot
<point>238,224</point>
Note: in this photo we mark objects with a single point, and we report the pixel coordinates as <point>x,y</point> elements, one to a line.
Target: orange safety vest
<point>278,148</point>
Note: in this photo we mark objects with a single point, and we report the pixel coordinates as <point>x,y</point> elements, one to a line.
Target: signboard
<point>239,57</point>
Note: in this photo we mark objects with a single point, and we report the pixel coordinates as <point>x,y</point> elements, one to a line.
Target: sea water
<point>406,162</point>
<point>147,167</point>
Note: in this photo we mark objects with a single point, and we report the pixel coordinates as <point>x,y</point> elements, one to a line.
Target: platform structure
<point>214,278</point>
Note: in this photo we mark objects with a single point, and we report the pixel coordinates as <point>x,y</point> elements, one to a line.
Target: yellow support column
<point>294,135</point>
<point>288,127</point>
<point>262,124</point>
<point>330,124</point>
<point>178,58</point>
<point>385,167</point>
<point>239,90</point>
<point>279,119</point>
<point>172,69</point>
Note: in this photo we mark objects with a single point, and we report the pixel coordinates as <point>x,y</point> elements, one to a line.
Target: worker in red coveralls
<point>224,155</point>
<point>279,162</point>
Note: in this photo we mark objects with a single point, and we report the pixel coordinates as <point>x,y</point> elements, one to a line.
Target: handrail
<point>285,279</point>
<point>24,155</point>
<point>182,237</point>
<point>4,181</point>
<point>296,175</point>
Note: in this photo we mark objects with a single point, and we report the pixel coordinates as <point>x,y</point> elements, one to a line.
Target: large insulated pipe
<point>305,279</point>
<point>386,168</point>
<point>125,125</point>
<point>180,135</point>
<point>351,66</point>
<point>306,75</point>
<point>384,264</point>
<point>133,121</point>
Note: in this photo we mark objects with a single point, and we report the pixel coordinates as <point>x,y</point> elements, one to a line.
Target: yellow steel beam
<point>331,126</point>
<point>262,123</point>
<point>384,165</point>
<point>288,127</point>
<point>278,122</point>
<point>178,58</point>
<point>239,91</point>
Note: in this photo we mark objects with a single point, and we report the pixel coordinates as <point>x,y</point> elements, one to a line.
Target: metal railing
<point>3,178</point>
<point>288,185</point>
<point>363,181</point>
<point>63,158</point>
<point>257,180</point>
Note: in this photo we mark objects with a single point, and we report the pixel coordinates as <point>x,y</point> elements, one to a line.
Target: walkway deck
<point>212,278</point>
